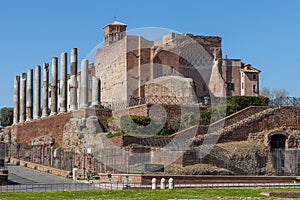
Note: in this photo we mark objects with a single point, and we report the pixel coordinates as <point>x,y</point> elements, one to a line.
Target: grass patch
<point>143,194</point>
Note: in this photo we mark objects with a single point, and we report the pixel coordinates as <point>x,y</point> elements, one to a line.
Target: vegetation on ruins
<point>6,116</point>
<point>145,126</point>
<point>142,125</point>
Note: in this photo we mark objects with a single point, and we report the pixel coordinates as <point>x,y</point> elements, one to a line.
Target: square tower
<point>113,32</point>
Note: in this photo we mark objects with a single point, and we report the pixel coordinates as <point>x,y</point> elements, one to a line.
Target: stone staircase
<point>250,119</point>
<point>216,129</point>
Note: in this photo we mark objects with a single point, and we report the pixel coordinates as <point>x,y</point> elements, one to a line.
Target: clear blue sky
<point>263,33</point>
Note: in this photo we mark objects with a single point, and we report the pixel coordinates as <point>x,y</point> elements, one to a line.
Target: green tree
<point>6,116</point>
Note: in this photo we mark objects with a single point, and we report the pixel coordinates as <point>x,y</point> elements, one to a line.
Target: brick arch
<point>277,132</point>
<point>281,132</point>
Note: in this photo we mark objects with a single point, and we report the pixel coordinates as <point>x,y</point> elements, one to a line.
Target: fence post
<point>75,174</point>
<point>153,184</point>
<point>163,183</point>
<point>171,183</point>
<point>126,181</point>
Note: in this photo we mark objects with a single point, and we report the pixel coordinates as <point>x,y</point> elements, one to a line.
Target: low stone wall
<point>193,179</point>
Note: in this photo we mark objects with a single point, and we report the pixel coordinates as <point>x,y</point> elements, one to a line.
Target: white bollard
<point>75,174</point>
<point>126,181</point>
<point>153,184</point>
<point>171,183</point>
<point>163,183</point>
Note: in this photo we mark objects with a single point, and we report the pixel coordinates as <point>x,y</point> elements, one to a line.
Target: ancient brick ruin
<point>67,127</point>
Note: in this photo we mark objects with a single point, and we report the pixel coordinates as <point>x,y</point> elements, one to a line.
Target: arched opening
<point>277,141</point>
<point>277,144</point>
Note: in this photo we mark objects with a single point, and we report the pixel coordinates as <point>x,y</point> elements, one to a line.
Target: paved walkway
<point>23,175</point>
<point>22,179</point>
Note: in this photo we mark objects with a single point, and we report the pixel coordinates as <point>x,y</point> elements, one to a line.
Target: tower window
<point>254,76</point>
<point>254,88</point>
<point>230,86</point>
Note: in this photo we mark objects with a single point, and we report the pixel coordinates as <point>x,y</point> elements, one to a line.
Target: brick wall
<point>53,125</point>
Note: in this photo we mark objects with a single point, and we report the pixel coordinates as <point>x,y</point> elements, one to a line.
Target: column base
<point>53,113</point>
<point>28,119</point>
<point>84,106</point>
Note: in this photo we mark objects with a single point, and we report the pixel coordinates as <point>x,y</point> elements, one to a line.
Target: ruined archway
<point>277,147</point>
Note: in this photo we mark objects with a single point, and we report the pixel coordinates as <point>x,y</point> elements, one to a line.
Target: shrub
<point>111,135</point>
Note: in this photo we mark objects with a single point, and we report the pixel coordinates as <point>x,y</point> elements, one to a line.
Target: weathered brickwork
<point>53,125</point>
<point>131,62</point>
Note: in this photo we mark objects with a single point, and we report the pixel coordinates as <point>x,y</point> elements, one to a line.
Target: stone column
<point>84,79</point>
<point>23,97</point>
<point>45,106</point>
<point>37,93</point>
<point>63,83</point>
<point>96,87</point>
<point>54,86</point>
<point>73,80</point>
<point>16,99</point>
<point>29,102</point>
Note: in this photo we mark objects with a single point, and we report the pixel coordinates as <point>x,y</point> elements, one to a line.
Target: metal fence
<point>285,101</point>
<point>49,187</point>
<point>92,186</point>
<point>141,159</point>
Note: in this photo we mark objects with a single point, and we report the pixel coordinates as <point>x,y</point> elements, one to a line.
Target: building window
<point>230,86</point>
<point>254,76</point>
<point>90,84</point>
<point>242,74</point>
<point>254,88</point>
<point>242,85</point>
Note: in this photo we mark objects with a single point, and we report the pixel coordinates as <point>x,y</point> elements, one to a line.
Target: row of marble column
<point>28,107</point>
